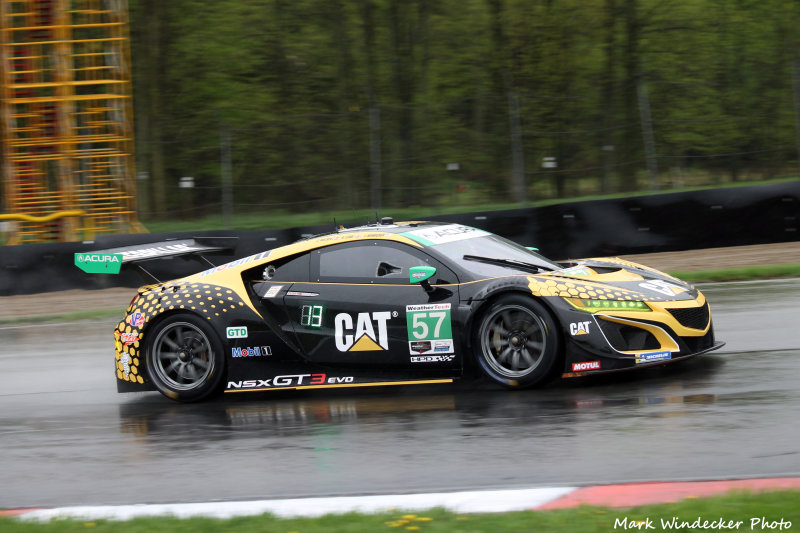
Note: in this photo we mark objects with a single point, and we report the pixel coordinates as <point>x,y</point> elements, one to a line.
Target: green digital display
<point>311,316</point>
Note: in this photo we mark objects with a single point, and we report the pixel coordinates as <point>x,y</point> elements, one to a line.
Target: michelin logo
<point>652,356</point>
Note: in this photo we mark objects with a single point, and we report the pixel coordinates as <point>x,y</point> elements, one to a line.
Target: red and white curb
<point>486,501</point>
<point>635,494</point>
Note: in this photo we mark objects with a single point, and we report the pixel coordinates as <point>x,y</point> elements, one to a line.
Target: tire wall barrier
<point>642,224</point>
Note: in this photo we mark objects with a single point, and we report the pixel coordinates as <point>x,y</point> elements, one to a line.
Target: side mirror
<point>421,275</point>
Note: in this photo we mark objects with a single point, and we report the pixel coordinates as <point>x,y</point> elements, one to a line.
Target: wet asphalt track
<point>67,437</point>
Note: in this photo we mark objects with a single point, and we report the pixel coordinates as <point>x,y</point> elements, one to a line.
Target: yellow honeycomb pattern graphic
<point>586,290</point>
<point>207,300</point>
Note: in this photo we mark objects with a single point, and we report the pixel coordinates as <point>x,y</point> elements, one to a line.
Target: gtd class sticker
<point>429,329</point>
<point>236,332</point>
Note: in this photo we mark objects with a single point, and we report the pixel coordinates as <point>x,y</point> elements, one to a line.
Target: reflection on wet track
<point>68,438</point>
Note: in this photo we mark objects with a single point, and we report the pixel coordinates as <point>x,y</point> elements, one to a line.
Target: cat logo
<point>579,328</point>
<point>364,338</point>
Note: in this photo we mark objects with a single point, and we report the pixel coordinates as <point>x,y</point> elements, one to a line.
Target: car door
<point>360,308</point>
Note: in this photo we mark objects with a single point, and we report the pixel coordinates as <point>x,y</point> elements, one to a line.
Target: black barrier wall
<point>641,224</point>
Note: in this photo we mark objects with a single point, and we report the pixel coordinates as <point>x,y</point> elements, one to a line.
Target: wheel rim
<point>513,341</point>
<point>182,356</point>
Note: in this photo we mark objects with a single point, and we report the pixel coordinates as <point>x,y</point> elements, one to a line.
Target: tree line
<point>331,104</point>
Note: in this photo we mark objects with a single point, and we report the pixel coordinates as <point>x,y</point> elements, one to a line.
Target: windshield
<point>492,247</point>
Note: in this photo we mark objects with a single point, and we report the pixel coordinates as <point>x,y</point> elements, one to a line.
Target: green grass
<point>738,506</point>
<point>739,274</point>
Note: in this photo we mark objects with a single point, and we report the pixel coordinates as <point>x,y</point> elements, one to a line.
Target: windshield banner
<point>444,234</point>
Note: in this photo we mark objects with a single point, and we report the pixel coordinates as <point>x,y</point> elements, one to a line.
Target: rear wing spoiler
<point>112,260</point>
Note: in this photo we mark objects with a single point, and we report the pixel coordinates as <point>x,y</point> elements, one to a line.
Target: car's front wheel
<point>185,358</point>
<point>517,343</point>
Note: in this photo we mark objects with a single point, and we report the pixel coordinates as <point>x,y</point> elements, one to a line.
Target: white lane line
<point>491,501</point>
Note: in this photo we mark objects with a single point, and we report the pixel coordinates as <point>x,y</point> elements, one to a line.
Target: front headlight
<point>593,306</point>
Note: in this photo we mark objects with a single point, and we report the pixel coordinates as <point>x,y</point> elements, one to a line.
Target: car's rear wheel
<point>185,358</point>
<point>517,343</point>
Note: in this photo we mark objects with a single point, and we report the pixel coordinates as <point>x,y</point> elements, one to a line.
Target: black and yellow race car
<point>398,304</point>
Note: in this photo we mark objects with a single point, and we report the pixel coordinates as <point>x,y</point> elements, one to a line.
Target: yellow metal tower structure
<point>67,119</point>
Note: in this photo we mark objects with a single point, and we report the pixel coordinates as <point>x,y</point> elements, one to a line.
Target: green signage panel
<point>99,263</point>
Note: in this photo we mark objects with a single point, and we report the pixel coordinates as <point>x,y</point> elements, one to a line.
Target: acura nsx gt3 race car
<point>399,304</point>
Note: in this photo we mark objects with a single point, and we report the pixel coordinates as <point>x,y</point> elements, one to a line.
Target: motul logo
<point>588,365</point>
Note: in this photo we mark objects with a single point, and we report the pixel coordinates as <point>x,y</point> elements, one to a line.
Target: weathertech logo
<point>420,346</point>
<point>368,335</point>
<point>588,365</point>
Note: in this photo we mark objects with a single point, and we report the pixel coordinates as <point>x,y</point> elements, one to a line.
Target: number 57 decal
<point>420,322</point>
<point>429,329</point>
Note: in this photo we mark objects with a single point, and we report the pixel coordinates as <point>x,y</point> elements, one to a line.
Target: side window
<point>291,269</point>
<point>371,262</point>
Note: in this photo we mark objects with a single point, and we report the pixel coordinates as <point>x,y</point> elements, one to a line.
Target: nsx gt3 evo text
<point>401,303</point>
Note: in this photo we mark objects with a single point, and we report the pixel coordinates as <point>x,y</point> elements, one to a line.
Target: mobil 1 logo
<point>429,329</point>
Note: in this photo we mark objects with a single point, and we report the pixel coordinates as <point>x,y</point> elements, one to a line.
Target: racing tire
<point>185,358</point>
<point>517,343</point>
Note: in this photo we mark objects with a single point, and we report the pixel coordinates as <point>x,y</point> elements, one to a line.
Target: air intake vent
<point>625,338</point>
<point>691,317</point>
